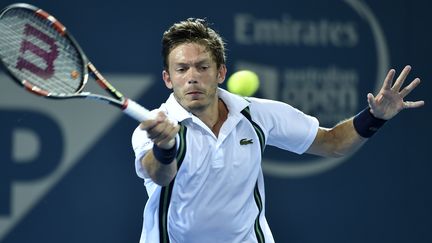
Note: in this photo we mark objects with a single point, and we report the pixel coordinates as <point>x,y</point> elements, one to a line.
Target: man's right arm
<point>160,173</point>
<point>159,162</point>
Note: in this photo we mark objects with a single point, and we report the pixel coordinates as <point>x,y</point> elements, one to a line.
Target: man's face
<point>194,77</point>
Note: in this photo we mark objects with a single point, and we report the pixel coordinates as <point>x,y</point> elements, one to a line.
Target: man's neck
<point>222,116</point>
<point>214,116</point>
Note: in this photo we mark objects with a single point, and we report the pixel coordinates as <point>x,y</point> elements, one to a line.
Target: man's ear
<point>221,74</point>
<point>167,79</point>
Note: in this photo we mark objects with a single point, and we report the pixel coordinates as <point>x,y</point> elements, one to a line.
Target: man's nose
<point>193,76</point>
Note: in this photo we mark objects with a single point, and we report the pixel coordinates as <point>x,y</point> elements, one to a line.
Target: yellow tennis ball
<point>244,83</point>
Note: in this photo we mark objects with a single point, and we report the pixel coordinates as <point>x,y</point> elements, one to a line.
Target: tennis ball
<point>244,83</point>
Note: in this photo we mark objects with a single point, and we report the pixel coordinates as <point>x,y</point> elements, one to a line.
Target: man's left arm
<point>349,135</point>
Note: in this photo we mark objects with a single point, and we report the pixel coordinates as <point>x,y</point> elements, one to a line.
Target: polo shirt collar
<point>234,102</point>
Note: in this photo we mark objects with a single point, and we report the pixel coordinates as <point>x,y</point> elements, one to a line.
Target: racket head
<point>38,52</point>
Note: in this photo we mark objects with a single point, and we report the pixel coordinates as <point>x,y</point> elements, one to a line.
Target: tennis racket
<point>39,54</point>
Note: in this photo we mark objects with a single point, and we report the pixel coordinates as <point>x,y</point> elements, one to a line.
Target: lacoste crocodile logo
<point>245,141</point>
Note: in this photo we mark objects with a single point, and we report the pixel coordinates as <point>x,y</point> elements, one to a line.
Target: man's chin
<point>195,106</point>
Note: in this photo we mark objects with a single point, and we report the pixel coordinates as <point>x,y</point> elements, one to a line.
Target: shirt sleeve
<point>141,144</point>
<point>285,126</point>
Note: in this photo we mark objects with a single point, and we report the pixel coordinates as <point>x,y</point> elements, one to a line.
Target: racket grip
<point>140,114</point>
<point>137,112</point>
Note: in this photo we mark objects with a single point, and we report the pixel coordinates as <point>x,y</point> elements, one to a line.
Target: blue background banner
<point>67,171</point>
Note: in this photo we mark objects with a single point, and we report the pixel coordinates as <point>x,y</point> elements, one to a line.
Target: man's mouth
<point>194,92</point>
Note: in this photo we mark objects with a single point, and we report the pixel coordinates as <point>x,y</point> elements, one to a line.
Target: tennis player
<point>201,157</point>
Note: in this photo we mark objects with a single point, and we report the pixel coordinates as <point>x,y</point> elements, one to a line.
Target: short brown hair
<point>193,30</point>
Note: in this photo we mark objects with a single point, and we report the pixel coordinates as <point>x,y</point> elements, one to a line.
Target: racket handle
<point>140,114</point>
<point>137,112</point>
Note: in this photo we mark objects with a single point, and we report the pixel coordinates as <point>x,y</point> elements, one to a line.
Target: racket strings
<point>34,51</point>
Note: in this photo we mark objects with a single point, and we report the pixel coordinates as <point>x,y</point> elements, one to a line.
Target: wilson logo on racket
<point>34,47</point>
<point>42,56</point>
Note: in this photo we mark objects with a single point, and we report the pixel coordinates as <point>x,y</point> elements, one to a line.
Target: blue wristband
<point>366,124</point>
<point>165,156</point>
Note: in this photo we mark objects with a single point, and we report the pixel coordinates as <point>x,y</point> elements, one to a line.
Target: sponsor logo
<point>245,141</point>
<point>323,64</point>
<point>40,142</point>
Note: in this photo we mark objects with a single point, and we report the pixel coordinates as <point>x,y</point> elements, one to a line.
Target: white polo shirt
<point>218,192</point>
